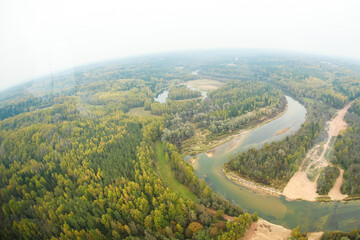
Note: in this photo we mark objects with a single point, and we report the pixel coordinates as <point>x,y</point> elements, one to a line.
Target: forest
<point>327,179</point>
<point>74,164</point>
<point>225,110</point>
<point>85,169</point>
<point>183,92</point>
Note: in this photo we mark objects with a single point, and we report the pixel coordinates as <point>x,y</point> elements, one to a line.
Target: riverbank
<point>312,217</point>
<point>251,185</point>
<point>264,230</point>
<point>300,186</point>
<point>210,147</point>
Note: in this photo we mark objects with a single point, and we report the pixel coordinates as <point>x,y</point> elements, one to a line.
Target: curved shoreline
<point>233,176</point>
<point>250,184</point>
<point>243,131</point>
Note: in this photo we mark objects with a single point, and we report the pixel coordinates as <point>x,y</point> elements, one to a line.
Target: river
<point>162,97</point>
<point>310,216</point>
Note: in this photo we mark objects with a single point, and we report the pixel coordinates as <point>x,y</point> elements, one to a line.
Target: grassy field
<point>139,112</point>
<point>167,176</point>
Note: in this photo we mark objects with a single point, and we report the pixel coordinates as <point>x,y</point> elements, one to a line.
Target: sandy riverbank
<point>264,230</point>
<point>212,145</point>
<point>252,185</point>
<point>300,186</point>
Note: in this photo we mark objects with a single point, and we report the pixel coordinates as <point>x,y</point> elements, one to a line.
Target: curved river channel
<point>310,216</point>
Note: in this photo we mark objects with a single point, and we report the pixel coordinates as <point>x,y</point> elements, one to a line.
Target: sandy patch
<point>210,153</point>
<point>300,187</point>
<point>264,230</point>
<point>282,131</point>
<point>315,235</point>
<point>205,84</point>
<point>335,191</point>
<point>193,160</point>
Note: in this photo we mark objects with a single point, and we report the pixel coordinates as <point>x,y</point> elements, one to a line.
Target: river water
<point>310,216</point>
<point>161,98</point>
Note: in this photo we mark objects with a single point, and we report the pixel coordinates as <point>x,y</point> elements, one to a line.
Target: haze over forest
<point>43,37</point>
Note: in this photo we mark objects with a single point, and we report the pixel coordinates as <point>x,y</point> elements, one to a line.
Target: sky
<point>43,37</point>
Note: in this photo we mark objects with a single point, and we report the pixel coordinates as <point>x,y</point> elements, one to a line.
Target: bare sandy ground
<point>193,160</point>
<point>282,131</point>
<point>264,230</point>
<point>315,235</point>
<point>205,84</point>
<point>210,153</point>
<point>335,191</point>
<point>299,186</point>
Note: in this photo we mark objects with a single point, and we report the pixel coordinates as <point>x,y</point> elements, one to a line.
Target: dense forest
<point>82,168</point>
<point>327,179</point>
<point>225,110</point>
<point>93,177</point>
<point>77,162</point>
<point>337,235</point>
<point>183,92</point>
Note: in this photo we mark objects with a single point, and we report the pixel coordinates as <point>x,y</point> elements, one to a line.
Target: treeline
<point>183,92</point>
<point>185,174</point>
<point>176,131</point>
<point>327,179</point>
<point>303,77</point>
<point>226,109</point>
<point>275,163</point>
<point>232,106</point>
<point>337,235</point>
<point>25,105</point>
<point>171,107</point>
<point>346,152</point>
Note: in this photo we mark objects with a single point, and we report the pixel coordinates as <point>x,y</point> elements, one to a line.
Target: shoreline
<point>233,176</point>
<point>251,185</point>
<point>243,131</point>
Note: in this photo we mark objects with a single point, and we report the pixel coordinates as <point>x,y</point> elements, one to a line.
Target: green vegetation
<point>346,152</point>
<point>323,81</point>
<point>327,179</point>
<point>297,235</point>
<point>234,106</point>
<point>337,235</point>
<point>139,112</point>
<point>183,92</point>
<point>77,151</point>
<point>166,174</point>
<point>275,163</point>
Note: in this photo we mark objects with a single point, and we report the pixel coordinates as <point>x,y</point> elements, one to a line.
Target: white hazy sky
<point>40,37</point>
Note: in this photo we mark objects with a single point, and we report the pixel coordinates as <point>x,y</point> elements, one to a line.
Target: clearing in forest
<point>140,112</point>
<point>166,174</point>
<point>205,84</point>
<point>300,186</point>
